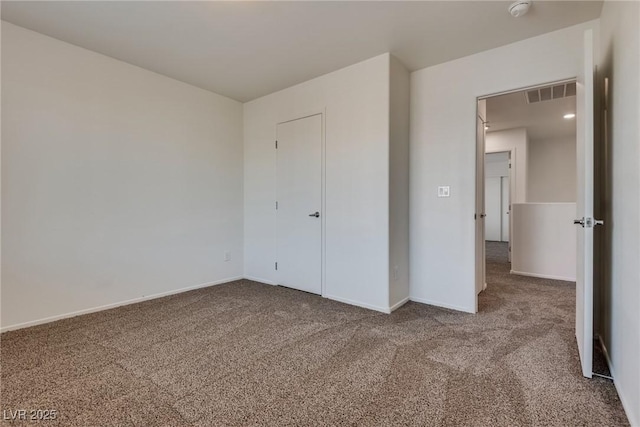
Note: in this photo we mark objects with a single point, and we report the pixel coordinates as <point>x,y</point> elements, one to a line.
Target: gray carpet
<point>250,354</point>
<point>497,252</point>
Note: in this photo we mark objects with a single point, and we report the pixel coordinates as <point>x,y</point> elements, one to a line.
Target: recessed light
<point>569,116</point>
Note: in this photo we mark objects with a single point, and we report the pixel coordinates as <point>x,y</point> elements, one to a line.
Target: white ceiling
<point>245,49</point>
<point>543,120</point>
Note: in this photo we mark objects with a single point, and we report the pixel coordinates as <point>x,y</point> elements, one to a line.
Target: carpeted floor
<point>250,354</point>
<point>497,254</point>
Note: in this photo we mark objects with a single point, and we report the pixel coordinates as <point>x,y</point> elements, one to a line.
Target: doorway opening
<point>541,135</point>
<point>530,175</point>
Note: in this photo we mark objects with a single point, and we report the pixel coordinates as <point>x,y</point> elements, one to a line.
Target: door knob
<point>316,214</point>
<point>588,222</point>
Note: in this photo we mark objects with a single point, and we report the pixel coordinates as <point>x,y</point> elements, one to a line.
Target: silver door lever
<point>588,222</point>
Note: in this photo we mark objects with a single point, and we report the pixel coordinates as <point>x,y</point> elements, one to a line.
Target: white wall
<point>517,141</point>
<point>543,240</point>
<point>117,183</point>
<point>620,324</point>
<point>443,112</point>
<point>399,183</point>
<point>552,170</point>
<point>355,101</point>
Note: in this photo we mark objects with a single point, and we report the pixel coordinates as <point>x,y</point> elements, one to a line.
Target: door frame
<point>323,217</point>
<point>483,152</point>
<point>480,256</point>
<point>512,173</point>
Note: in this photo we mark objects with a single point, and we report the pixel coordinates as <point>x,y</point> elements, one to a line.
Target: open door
<point>584,207</point>
<point>480,211</point>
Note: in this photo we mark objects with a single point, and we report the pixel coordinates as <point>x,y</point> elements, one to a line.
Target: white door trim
<point>537,86</point>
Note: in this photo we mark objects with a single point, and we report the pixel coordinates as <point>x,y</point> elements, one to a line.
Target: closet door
<point>299,204</point>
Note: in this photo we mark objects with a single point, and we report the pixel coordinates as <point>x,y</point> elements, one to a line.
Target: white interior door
<point>504,194</point>
<point>493,208</point>
<point>584,207</point>
<point>480,214</point>
<point>299,200</point>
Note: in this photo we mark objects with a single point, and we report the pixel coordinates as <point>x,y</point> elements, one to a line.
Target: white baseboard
<point>634,419</point>
<point>544,276</point>
<point>386,310</point>
<point>114,305</point>
<point>441,304</point>
<point>399,304</point>
<point>260,280</point>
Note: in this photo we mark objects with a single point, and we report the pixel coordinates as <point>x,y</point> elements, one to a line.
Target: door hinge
<point>509,165</point>
<point>276,205</point>
<point>276,265</point>
<point>276,145</point>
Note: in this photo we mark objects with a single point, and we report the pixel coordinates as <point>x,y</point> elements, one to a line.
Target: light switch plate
<point>443,191</point>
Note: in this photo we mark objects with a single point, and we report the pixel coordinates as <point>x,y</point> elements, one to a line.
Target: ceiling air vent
<point>548,93</point>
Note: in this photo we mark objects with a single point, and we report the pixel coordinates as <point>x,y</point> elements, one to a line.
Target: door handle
<point>316,214</point>
<point>588,222</point>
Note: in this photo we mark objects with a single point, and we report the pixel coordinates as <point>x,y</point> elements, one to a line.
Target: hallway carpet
<point>248,354</point>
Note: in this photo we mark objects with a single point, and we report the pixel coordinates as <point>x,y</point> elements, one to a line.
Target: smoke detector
<point>519,8</point>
